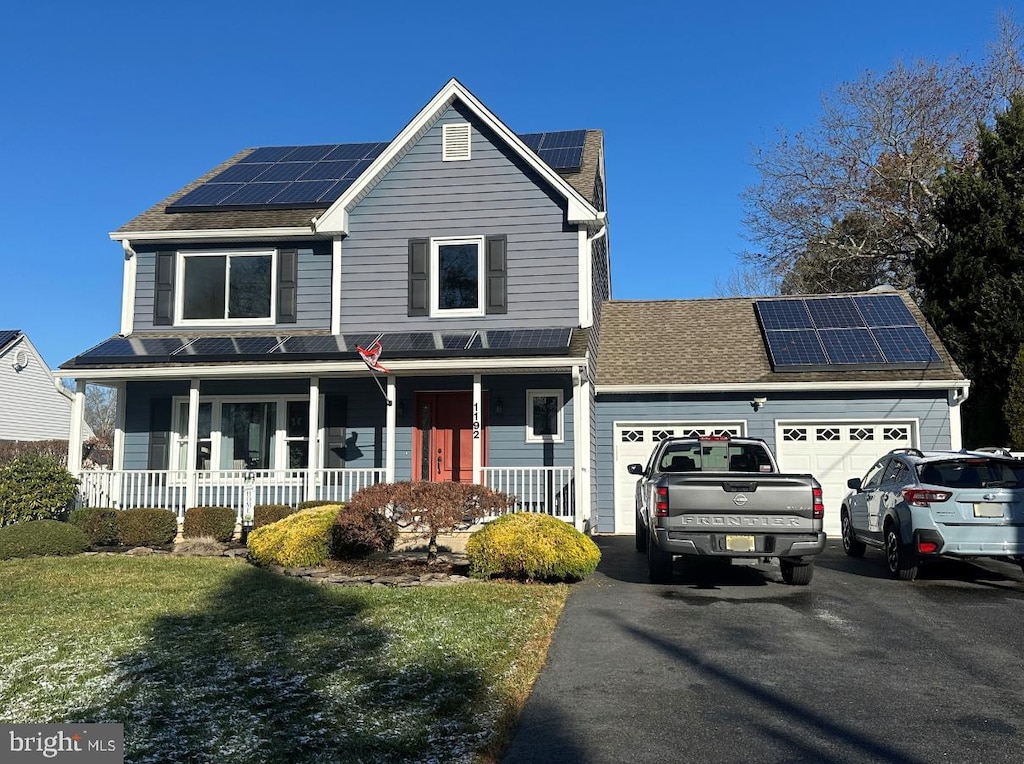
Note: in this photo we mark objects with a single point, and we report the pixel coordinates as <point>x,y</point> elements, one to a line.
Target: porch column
<point>75,436</point>
<point>192,449</point>
<point>389,447</point>
<point>477,430</point>
<point>120,391</point>
<point>314,444</point>
<point>581,445</point>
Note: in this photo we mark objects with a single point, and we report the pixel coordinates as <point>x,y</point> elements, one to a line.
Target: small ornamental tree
<point>432,508</point>
<point>35,488</point>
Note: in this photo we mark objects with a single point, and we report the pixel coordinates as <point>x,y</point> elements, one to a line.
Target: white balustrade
<point>340,484</point>
<point>544,490</point>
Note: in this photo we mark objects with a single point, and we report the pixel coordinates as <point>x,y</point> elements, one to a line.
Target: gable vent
<point>455,140</point>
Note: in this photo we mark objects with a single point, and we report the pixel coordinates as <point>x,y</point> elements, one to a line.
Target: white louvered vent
<point>455,140</point>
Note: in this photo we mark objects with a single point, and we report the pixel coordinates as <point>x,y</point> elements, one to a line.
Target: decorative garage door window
<point>896,433</point>
<point>632,436</point>
<point>794,433</point>
<point>659,435</point>
<point>826,433</point>
<point>862,433</point>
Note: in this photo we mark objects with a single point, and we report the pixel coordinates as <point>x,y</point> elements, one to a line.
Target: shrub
<point>146,527</point>
<point>265,514</point>
<point>432,507</point>
<point>35,488</point>
<point>1013,408</point>
<point>216,522</point>
<point>43,537</point>
<point>16,449</point>
<point>313,503</point>
<point>361,531</point>
<point>299,540</point>
<point>99,524</point>
<point>530,546</point>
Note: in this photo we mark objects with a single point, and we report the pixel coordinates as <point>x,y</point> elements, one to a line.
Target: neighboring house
<point>477,256</point>
<point>33,404</point>
<point>479,259</point>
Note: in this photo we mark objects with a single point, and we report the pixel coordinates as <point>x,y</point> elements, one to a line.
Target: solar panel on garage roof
<point>865,331</point>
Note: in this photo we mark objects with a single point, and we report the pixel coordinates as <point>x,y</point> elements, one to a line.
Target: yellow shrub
<point>299,540</point>
<point>529,546</point>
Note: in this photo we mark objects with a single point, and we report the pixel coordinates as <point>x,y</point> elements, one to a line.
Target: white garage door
<point>634,442</point>
<point>836,451</point>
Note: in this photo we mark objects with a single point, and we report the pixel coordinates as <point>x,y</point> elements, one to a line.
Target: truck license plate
<point>988,510</point>
<point>739,543</point>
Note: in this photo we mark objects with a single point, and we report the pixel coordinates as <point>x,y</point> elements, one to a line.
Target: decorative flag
<point>371,356</point>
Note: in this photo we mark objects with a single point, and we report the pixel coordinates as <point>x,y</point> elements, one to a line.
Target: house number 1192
<point>476,421</point>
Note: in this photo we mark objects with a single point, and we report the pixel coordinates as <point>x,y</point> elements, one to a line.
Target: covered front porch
<point>229,440</point>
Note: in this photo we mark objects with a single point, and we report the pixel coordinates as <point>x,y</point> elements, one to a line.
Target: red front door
<point>443,437</point>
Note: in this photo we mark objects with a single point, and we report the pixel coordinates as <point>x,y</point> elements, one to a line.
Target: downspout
<point>128,289</point>
<point>955,398</point>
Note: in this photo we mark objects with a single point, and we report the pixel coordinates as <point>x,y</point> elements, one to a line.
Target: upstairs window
<point>457,281</point>
<point>232,288</point>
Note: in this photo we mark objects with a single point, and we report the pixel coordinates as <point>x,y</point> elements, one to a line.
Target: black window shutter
<point>419,277</point>
<point>287,286</point>
<point>335,414</point>
<point>496,264</point>
<point>160,434</point>
<point>163,290</point>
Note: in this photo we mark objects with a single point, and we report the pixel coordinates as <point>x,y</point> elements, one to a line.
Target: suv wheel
<point>659,563</point>
<point>640,535</point>
<point>795,574</point>
<point>900,558</point>
<point>851,546</point>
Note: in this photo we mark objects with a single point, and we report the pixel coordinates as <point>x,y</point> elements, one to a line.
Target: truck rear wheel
<point>796,574</point>
<point>659,563</point>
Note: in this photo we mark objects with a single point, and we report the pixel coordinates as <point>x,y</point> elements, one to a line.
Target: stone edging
<point>403,580</point>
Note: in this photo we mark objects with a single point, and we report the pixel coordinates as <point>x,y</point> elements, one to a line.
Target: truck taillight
<point>661,507</point>
<point>923,497</point>
<point>818,506</point>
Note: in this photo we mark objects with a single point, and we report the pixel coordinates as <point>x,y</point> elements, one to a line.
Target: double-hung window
<point>226,287</point>
<point>457,276</point>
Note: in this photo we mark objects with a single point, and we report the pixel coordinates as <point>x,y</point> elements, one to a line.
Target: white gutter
<point>61,389</point>
<point>921,384</point>
<point>283,232</point>
<point>326,368</point>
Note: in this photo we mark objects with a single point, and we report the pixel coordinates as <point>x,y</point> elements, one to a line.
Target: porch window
<point>296,434</point>
<point>218,287</point>
<point>545,421</point>
<point>204,443</point>
<point>457,280</point>
<point>248,435</point>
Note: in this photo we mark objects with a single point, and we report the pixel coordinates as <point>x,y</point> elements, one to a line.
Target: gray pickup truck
<point>724,498</point>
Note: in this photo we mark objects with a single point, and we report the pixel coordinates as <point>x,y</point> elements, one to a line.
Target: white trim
<point>327,368</point>
<point>435,274</point>
<point>335,219</point>
<point>227,254</point>
<point>584,294</point>
<point>120,397</point>
<point>128,288</point>
<point>478,429</point>
<point>192,437</point>
<point>313,462</point>
<point>456,142</point>
<point>390,421</point>
<point>581,446</point>
<point>75,436</point>
<point>336,286</point>
<point>832,385</point>
<point>289,232</point>
<point>558,437</point>
<point>956,434</point>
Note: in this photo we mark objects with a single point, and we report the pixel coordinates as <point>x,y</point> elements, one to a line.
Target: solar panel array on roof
<point>121,350</point>
<point>296,177</point>
<point>863,332</point>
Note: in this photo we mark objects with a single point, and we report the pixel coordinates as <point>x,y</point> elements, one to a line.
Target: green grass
<point>213,660</point>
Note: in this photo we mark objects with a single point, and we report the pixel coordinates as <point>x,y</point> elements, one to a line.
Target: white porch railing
<point>545,490</point>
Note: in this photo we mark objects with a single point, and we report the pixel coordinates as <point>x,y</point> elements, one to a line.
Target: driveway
<point>736,666</point>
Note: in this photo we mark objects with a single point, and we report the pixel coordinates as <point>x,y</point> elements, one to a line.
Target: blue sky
<point>109,107</point>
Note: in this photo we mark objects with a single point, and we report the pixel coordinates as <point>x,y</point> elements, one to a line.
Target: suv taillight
<point>923,497</point>
<point>818,508</point>
<point>661,507</point>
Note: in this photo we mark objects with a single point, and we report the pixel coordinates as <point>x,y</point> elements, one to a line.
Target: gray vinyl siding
<point>138,405</point>
<point>314,287</point>
<point>31,408</point>
<point>928,407</point>
<point>491,194</point>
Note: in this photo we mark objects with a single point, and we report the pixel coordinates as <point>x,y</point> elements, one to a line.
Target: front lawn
<point>213,660</point>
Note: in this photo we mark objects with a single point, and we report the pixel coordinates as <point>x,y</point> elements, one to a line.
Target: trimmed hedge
<point>531,546</point>
<point>41,537</point>
<point>35,488</point>
<point>313,503</point>
<point>146,527</point>
<point>99,524</point>
<point>299,540</point>
<point>212,522</point>
<point>359,532</point>
<point>265,514</point>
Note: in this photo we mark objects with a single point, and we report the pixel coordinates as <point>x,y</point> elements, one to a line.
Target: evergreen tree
<point>973,281</point>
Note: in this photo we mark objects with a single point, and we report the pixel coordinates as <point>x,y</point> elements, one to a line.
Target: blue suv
<point>916,506</point>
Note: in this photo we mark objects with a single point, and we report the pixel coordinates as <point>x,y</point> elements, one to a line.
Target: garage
<point>834,451</point>
<point>634,442</point>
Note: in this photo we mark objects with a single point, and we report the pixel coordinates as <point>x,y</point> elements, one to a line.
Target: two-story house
<point>476,257</point>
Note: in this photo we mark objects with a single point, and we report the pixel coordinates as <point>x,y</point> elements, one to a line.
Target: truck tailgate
<point>729,501</point>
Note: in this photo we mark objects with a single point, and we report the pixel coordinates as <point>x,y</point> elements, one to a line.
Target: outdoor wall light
<point>499,407</point>
<point>757,403</point>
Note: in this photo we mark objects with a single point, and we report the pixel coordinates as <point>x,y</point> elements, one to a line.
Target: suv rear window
<point>973,473</point>
<point>715,456</point>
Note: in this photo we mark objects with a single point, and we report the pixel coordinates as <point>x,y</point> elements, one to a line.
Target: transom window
<point>225,287</point>
<point>456,270</point>
<point>544,419</point>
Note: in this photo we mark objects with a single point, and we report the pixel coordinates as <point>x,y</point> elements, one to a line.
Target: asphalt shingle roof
<point>717,341</point>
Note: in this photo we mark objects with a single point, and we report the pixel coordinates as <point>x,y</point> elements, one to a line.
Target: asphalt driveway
<point>735,666</point>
